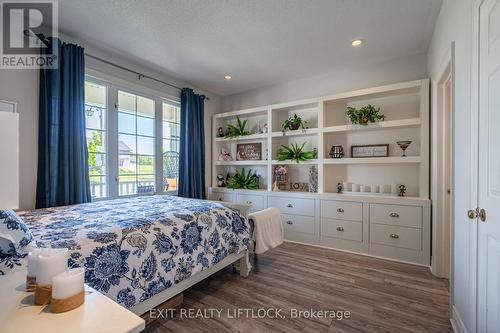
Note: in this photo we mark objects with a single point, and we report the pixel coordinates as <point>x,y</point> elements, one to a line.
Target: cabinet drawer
<point>342,210</point>
<point>292,206</point>
<point>221,196</point>
<point>342,229</point>
<point>303,224</point>
<point>408,238</point>
<point>255,201</point>
<point>406,216</point>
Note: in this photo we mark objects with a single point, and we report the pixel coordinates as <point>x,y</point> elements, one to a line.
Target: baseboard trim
<point>457,322</point>
<point>360,253</point>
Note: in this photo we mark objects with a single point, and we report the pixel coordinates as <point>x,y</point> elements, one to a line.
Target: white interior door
<point>488,279</point>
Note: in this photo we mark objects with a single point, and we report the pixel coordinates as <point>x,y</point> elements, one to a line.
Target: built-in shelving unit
<point>406,106</point>
<point>371,223</point>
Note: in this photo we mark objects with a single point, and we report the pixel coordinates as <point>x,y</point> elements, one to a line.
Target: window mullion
<point>159,145</point>
<point>113,149</point>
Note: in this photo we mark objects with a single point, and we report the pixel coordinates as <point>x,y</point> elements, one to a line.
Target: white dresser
<point>387,227</point>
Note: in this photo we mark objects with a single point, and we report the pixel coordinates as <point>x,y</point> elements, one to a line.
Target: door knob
<point>472,213</point>
<point>340,229</point>
<point>482,215</point>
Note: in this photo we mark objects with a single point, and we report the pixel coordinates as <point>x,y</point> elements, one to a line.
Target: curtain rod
<point>140,75</point>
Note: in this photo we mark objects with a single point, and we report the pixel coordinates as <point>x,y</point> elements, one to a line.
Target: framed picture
<point>370,151</point>
<point>248,151</point>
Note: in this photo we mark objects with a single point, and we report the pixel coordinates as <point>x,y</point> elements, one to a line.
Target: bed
<point>142,251</point>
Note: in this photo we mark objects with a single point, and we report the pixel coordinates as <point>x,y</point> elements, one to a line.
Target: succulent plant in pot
<point>244,180</point>
<point>363,116</point>
<point>295,153</point>
<point>239,129</point>
<point>293,123</point>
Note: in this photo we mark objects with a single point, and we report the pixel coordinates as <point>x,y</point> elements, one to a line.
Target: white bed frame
<point>243,266</point>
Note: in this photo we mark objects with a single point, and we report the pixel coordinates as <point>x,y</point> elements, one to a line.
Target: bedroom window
<point>171,128</point>
<point>136,144</point>
<point>95,116</point>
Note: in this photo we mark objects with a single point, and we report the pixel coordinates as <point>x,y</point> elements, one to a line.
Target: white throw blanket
<point>268,229</point>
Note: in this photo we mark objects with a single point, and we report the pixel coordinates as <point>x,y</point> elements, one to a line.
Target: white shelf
<point>373,160</point>
<point>406,104</point>
<point>299,132</point>
<point>250,162</point>
<point>290,162</point>
<point>259,136</point>
<point>411,122</point>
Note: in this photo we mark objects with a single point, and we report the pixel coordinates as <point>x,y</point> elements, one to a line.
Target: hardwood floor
<point>381,296</point>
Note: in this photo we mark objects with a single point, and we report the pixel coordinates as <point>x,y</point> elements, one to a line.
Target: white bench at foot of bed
<point>241,261</point>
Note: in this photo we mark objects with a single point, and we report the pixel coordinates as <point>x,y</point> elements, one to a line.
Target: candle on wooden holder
<point>50,263</point>
<point>67,290</point>
<point>32,264</point>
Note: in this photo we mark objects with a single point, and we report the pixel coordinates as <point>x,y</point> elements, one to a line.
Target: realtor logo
<point>26,32</point>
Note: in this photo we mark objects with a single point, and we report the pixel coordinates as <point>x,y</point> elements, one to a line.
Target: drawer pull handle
<point>394,215</point>
<point>340,210</point>
<point>289,206</point>
<point>340,229</point>
<point>220,199</point>
<point>249,202</point>
<point>289,222</point>
<point>395,236</point>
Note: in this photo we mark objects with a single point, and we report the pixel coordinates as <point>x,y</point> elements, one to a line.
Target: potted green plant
<point>294,153</point>
<point>239,129</point>
<point>293,124</point>
<point>363,116</point>
<point>244,180</point>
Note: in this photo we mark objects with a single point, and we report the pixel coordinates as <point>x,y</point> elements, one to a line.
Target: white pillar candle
<point>374,188</point>
<point>355,187</point>
<point>50,263</point>
<point>365,188</point>
<point>32,262</point>
<point>68,283</point>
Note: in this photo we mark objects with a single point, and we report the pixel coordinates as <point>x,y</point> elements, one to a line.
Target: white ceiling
<point>258,42</point>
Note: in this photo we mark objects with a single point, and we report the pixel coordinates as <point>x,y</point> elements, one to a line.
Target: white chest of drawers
<point>387,227</point>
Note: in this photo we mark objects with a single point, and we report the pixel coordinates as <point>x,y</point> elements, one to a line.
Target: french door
<point>132,138</point>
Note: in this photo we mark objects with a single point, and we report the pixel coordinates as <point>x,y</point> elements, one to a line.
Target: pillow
<point>14,233</point>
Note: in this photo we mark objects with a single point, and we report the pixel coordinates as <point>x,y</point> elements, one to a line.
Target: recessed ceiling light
<point>357,42</point>
<point>228,77</point>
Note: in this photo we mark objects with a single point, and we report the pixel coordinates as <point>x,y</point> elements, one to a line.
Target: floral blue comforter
<point>134,248</point>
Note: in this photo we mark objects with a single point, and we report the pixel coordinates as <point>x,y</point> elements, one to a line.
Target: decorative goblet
<point>403,145</point>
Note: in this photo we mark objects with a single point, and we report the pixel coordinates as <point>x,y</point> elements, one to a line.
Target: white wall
<point>346,79</point>
<point>455,24</point>
<point>22,86</point>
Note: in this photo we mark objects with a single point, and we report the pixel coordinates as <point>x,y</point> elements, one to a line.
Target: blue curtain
<point>63,177</point>
<point>192,146</point>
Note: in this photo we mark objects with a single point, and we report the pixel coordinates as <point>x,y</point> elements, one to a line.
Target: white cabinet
<point>388,227</point>
<point>294,206</point>
<point>348,230</point>
<point>255,201</point>
<point>342,210</point>
<point>406,216</point>
<point>220,196</point>
<point>408,238</point>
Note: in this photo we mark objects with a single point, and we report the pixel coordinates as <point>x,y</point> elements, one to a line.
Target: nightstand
<point>98,314</point>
